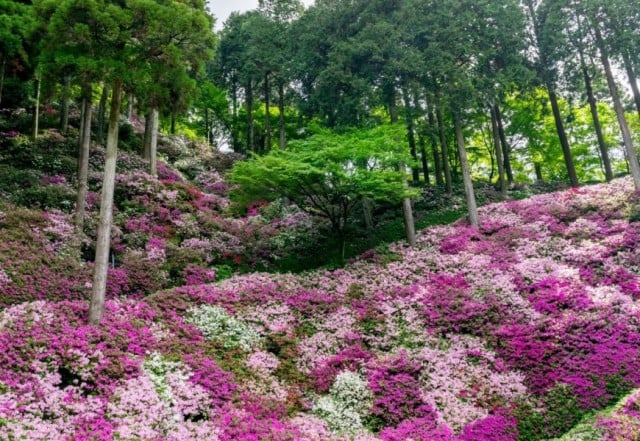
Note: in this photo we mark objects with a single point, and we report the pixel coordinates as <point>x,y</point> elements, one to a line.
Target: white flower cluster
<point>347,404</point>
<point>216,324</point>
<point>157,368</point>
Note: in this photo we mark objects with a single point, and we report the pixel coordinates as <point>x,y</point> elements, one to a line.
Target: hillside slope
<point>512,332</point>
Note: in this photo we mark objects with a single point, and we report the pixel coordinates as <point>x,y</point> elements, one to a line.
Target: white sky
<point>221,9</point>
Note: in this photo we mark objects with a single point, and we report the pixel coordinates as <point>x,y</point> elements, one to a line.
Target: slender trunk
<point>538,169</point>
<point>3,67</point>
<point>367,212</point>
<point>634,166</point>
<point>633,81</point>
<point>423,157</point>
<point>102,111</point>
<point>172,129</point>
<point>506,149</point>
<point>593,106</point>
<point>466,174</point>
<point>153,142</point>
<point>562,135</point>
<point>206,125</point>
<point>393,108</point>
<point>36,110</point>
<point>281,121</point>
<point>146,143</point>
<point>130,103</point>
<point>445,151</point>
<point>83,157</point>
<point>502,185</point>
<point>267,122</point>
<point>409,225</point>
<point>411,135</point>
<point>434,147</point>
<point>101,264</point>
<point>250,128</point>
<point>64,111</point>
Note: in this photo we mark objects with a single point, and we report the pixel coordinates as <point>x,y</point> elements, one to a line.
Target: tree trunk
<point>634,166</point>
<point>101,264</point>
<point>64,111</point>
<point>538,169</point>
<point>130,101</point>
<point>267,121</point>
<point>36,110</point>
<point>206,125</point>
<point>445,151</point>
<point>423,157</point>
<point>434,148</point>
<point>633,81</point>
<point>502,185</point>
<point>409,225</point>
<point>172,128</point>
<point>250,128</point>
<point>411,135</point>
<point>506,149</point>
<point>466,174</point>
<point>146,141</point>
<point>3,67</point>
<point>604,154</point>
<point>367,212</point>
<point>281,120</point>
<point>153,142</point>
<point>102,111</point>
<point>562,135</point>
<point>83,157</point>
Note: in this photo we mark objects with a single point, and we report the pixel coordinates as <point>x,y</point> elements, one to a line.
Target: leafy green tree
<point>328,175</point>
<point>16,23</point>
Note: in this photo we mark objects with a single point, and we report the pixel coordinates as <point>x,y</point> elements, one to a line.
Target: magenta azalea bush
<point>510,332</point>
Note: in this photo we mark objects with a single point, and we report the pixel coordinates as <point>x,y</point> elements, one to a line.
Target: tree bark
<point>36,110</point>
<point>411,135</point>
<point>146,142</point>
<point>445,151</point>
<point>562,135</point>
<point>634,166</point>
<point>153,142</point>
<point>466,174</point>
<point>367,212</point>
<point>83,157</point>
<point>267,122</point>
<point>281,120</point>
<point>172,128</point>
<point>633,81</point>
<point>538,169</point>
<point>101,264</point>
<point>409,225</point>
<point>64,111</point>
<point>593,106</point>
<point>506,149</point>
<point>130,101</point>
<point>250,128</point>
<point>498,148</point>
<point>102,111</point>
<point>423,157</point>
<point>434,147</point>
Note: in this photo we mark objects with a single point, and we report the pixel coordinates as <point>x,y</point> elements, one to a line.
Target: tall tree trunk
<point>593,106</point>
<point>562,135</point>
<point>172,128</point>
<point>502,185</point>
<point>422,142</point>
<point>153,142</point>
<point>538,169</point>
<point>633,81</point>
<point>411,135</point>
<point>409,225</point>
<point>437,165</point>
<point>445,151</point>
<point>64,111</point>
<point>367,212</point>
<point>101,264</point>
<point>3,68</point>
<point>102,111</point>
<point>83,157</point>
<point>146,141</point>
<point>36,110</point>
<point>267,121</point>
<point>634,166</point>
<point>281,120</point>
<point>251,138</point>
<point>466,174</point>
<point>506,149</point>
<point>130,102</point>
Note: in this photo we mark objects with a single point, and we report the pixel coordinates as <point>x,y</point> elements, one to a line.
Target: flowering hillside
<point>513,332</point>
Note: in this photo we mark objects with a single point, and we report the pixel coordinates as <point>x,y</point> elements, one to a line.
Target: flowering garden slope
<point>512,332</point>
